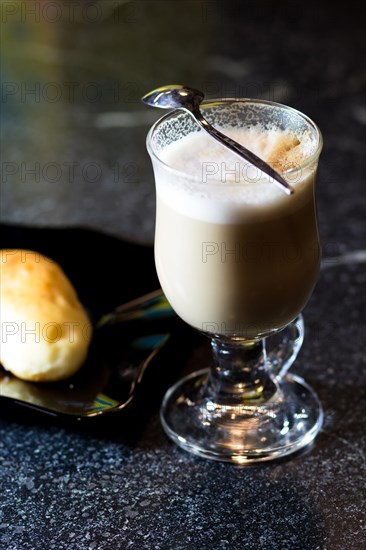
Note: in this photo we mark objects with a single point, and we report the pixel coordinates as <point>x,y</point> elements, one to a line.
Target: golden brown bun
<point>45,332</point>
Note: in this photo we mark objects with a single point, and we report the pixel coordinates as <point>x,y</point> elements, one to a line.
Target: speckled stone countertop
<point>73,154</point>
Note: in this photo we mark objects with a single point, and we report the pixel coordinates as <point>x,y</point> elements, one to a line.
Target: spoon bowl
<point>174,97</point>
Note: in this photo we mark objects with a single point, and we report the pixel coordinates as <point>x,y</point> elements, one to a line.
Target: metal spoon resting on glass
<point>176,96</point>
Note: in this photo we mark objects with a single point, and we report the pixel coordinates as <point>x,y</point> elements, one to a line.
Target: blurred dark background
<point>74,129</point>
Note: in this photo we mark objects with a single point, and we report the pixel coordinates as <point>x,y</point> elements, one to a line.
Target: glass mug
<point>238,260</point>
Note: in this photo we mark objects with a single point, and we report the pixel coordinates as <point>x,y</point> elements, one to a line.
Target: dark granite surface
<point>83,131</point>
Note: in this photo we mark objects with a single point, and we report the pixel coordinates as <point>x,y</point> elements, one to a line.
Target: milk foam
<point>209,182</point>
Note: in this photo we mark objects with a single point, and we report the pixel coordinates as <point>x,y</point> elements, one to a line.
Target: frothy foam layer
<point>206,163</point>
<point>282,150</point>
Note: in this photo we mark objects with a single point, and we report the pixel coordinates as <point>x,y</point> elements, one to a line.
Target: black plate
<point>105,271</point>
<point>126,351</point>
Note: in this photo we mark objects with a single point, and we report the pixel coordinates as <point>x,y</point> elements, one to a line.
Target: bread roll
<point>45,332</point>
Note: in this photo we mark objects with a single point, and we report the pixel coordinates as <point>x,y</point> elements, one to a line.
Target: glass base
<point>246,431</point>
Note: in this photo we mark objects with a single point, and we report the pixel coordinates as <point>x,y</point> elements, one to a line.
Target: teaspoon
<point>176,96</point>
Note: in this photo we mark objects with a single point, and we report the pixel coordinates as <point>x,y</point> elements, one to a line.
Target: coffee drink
<point>235,256</point>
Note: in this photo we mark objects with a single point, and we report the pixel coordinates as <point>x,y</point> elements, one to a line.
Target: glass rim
<point>230,100</point>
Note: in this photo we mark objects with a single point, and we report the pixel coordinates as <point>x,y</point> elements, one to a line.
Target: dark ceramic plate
<point>126,351</point>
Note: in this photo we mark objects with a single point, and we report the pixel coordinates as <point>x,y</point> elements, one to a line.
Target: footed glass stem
<point>245,409</point>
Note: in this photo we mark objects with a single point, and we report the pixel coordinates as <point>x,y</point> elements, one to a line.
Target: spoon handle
<point>242,152</point>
